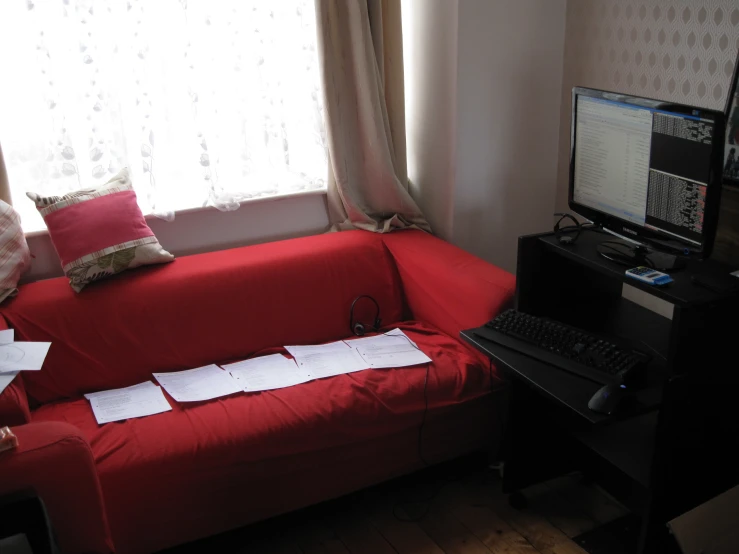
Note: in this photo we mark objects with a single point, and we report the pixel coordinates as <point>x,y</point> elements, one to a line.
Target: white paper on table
<point>20,356</point>
<point>7,336</point>
<point>6,379</point>
<point>267,373</point>
<point>137,401</point>
<point>195,385</point>
<point>327,360</point>
<point>393,349</point>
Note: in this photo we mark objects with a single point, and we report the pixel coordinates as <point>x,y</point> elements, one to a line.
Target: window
<point>208,102</point>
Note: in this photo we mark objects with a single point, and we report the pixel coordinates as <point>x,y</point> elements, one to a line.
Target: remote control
<point>649,275</point>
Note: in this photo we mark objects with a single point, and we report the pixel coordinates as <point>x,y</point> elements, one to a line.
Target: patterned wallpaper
<point>677,51</point>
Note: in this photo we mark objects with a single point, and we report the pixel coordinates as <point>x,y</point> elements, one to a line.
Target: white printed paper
<point>267,373</point>
<point>7,336</point>
<point>394,333</point>
<point>327,360</point>
<point>6,379</point>
<point>195,385</point>
<point>393,349</point>
<point>20,356</point>
<point>137,401</point>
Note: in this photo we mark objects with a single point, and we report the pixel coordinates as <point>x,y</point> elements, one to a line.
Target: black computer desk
<point>673,444</point>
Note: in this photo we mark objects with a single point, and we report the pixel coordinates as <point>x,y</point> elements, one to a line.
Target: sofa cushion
<point>171,465</point>
<point>99,232</point>
<point>200,309</point>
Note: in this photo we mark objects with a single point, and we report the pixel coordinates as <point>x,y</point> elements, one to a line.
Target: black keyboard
<point>601,360</point>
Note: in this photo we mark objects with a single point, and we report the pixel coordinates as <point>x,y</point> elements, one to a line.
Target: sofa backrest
<point>200,309</point>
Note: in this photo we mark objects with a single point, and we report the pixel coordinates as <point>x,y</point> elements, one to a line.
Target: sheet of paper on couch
<point>23,356</point>
<point>196,385</point>
<point>327,360</point>
<point>268,373</point>
<point>392,349</point>
<point>139,400</point>
<point>379,338</point>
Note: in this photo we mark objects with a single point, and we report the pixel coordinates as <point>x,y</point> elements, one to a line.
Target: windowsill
<point>251,201</point>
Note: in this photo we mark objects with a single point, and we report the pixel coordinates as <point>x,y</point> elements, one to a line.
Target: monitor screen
<point>643,163</point>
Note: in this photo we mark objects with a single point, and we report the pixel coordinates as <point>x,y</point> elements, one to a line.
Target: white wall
<point>509,85</point>
<point>484,82</point>
<point>208,229</point>
<point>430,61</point>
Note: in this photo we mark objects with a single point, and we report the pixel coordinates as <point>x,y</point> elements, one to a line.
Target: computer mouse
<point>607,399</point>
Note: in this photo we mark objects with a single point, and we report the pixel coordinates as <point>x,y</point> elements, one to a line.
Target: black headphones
<point>359,328</point>
<point>559,231</point>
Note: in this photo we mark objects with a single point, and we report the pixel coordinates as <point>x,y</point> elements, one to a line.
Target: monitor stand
<point>633,255</point>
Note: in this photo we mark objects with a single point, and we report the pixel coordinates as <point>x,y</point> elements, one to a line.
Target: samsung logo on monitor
<point>630,231</point>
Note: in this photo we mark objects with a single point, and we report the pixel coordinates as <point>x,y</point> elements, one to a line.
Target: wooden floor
<point>431,514</point>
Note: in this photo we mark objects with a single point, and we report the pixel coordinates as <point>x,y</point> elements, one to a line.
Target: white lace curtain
<point>208,102</point>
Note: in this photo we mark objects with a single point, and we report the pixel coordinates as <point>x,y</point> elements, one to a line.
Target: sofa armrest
<point>55,460</point>
<point>446,286</point>
<point>13,400</point>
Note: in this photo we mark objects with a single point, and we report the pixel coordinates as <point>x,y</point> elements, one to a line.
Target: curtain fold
<point>361,54</point>
<point>4,185</point>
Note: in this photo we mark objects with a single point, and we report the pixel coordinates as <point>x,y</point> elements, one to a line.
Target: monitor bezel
<point>638,232</point>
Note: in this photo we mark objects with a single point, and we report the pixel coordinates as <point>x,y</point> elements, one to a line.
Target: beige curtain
<point>4,185</point>
<point>361,53</point>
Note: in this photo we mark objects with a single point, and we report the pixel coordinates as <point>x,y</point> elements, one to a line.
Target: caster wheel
<point>518,501</point>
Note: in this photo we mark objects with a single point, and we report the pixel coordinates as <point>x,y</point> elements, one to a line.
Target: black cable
<point>619,256</point>
<point>425,399</point>
<point>569,228</point>
<point>653,349</point>
<point>426,502</point>
<point>621,245</point>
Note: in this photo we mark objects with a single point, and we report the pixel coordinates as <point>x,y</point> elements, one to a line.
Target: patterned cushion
<point>14,255</point>
<point>99,232</point>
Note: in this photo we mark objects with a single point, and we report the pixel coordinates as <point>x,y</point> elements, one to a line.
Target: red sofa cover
<point>204,468</point>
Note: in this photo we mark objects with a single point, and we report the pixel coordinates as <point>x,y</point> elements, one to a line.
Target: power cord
<point>426,502</point>
<point>425,402</point>
<point>619,256</point>
<point>653,349</point>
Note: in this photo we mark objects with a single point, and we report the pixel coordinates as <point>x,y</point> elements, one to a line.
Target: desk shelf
<point>627,444</point>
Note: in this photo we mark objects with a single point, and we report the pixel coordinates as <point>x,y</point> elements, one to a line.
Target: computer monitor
<point>647,170</point>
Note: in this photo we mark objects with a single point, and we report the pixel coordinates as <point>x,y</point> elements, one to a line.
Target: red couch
<point>145,484</point>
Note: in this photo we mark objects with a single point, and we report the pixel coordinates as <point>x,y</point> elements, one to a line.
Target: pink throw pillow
<point>15,258</point>
<point>99,232</point>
